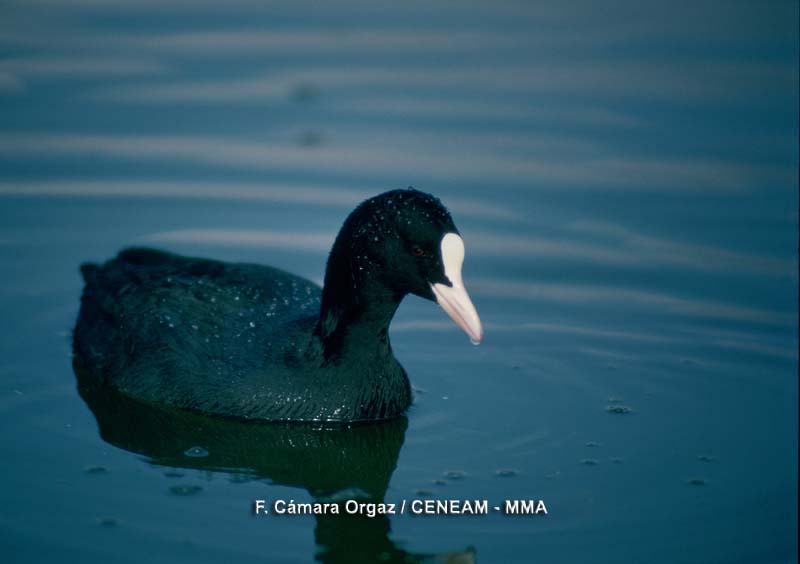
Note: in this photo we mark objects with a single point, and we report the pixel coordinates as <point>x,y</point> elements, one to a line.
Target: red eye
<point>418,252</point>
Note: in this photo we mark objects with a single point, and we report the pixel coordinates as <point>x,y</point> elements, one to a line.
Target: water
<point>625,181</point>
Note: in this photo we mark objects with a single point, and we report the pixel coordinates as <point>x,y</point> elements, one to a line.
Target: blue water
<point>625,179</point>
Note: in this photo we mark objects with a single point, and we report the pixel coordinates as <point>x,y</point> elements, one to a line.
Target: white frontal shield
<point>454,299</point>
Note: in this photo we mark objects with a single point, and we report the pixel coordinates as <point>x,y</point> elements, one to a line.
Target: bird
<point>250,341</point>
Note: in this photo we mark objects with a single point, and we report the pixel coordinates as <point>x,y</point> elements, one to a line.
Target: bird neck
<point>355,312</point>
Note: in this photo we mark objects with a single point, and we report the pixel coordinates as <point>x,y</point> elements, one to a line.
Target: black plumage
<point>252,341</point>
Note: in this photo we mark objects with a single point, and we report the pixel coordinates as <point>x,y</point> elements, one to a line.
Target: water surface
<point>625,180</point>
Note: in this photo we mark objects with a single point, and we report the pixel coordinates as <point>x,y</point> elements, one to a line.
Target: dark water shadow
<point>332,464</point>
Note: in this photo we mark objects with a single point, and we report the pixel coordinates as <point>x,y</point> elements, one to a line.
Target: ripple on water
<point>506,473</point>
<point>618,409</point>
<point>455,475</point>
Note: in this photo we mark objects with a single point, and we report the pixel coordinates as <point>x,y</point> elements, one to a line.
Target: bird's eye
<point>418,252</point>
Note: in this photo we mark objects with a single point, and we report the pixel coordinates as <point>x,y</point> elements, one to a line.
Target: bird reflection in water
<point>330,463</point>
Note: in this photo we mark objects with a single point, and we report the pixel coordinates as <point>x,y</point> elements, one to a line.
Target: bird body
<point>255,342</point>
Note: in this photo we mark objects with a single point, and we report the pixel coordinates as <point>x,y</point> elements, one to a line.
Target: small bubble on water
<point>196,452</point>
<point>185,490</point>
<point>96,469</point>
<point>252,324</point>
<point>109,522</point>
<point>240,479</point>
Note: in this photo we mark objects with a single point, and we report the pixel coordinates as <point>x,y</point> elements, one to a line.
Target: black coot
<point>252,341</point>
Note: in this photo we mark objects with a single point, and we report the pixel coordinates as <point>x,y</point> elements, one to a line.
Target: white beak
<point>454,299</point>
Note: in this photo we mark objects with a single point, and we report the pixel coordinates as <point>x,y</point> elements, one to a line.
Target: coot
<point>251,341</point>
